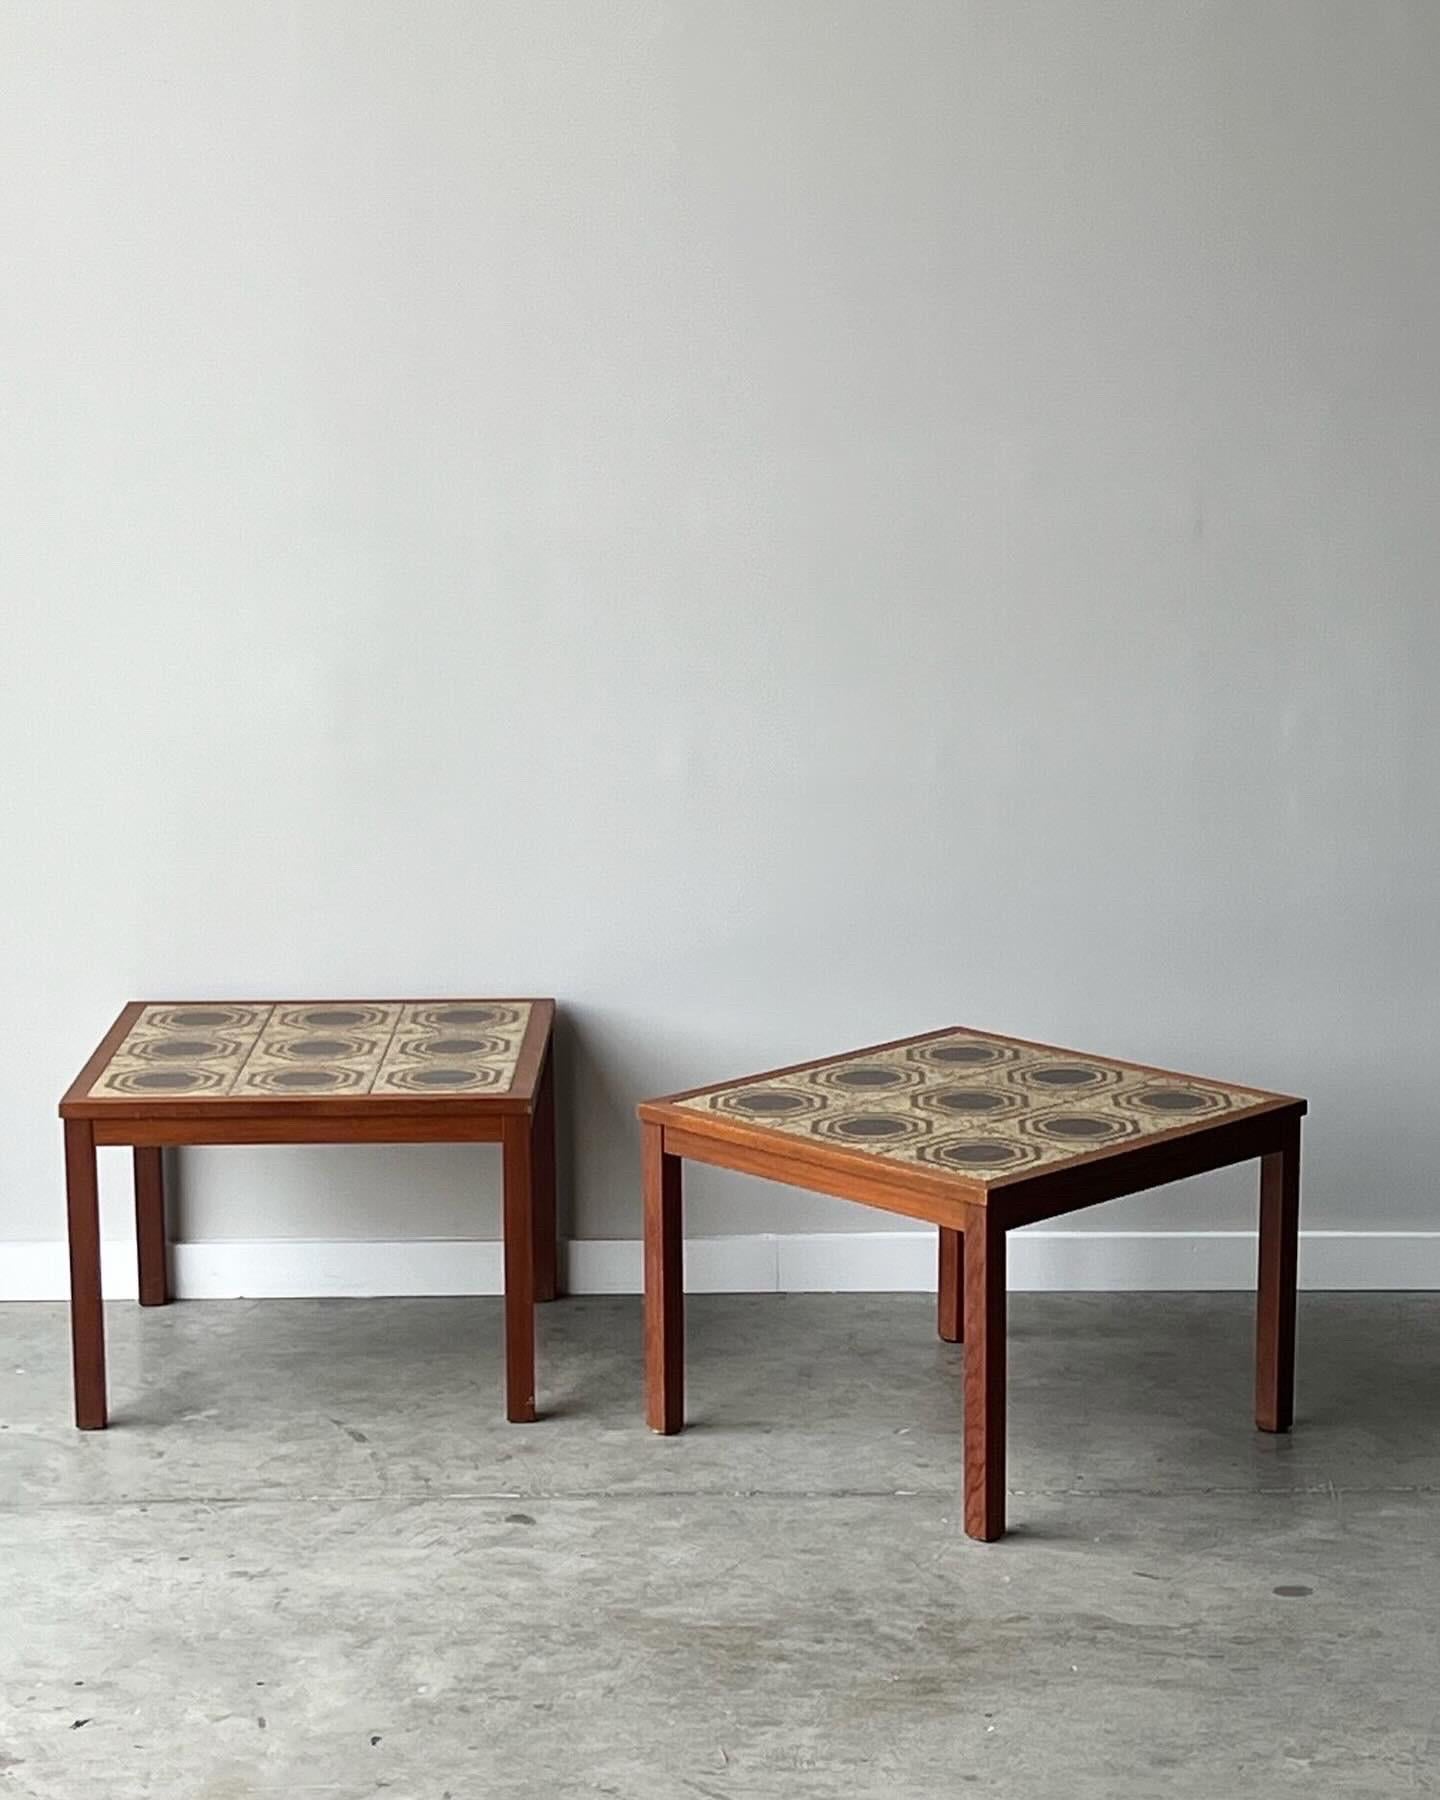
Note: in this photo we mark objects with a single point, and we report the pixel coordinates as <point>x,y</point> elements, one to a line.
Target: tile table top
<point>353,1049</point>
<point>971,1104</point>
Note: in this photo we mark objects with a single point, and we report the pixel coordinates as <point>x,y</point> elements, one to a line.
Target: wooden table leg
<point>1275,1309</point>
<point>87,1308</point>
<point>519,1273</point>
<point>150,1239</point>
<point>542,1156</point>
<point>952,1285</point>
<point>984,1375</point>
<point>664,1287</point>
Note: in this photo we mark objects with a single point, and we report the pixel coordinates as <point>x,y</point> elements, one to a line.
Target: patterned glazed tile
<point>317,1048</point>
<point>972,1104</point>
<point>229,1020</point>
<point>454,1048</point>
<point>298,1059</point>
<point>493,1017</point>
<point>174,1052</point>
<point>131,1079</point>
<point>320,1018</point>
<point>268,1075</point>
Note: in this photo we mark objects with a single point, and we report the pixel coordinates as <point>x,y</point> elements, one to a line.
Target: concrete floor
<point>310,1558</point>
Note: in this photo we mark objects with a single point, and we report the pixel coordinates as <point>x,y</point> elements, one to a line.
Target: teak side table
<point>976,1134</point>
<point>314,1072</point>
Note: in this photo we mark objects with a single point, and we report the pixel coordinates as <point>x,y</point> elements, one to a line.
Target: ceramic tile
<point>319,1048</point>
<point>972,1104</point>
<point>457,1047</point>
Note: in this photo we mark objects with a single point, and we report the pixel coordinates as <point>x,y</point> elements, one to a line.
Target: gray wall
<point>780,523</point>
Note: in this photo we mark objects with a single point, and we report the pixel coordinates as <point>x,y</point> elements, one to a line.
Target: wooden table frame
<point>973,1217</point>
<point>521,1120</point>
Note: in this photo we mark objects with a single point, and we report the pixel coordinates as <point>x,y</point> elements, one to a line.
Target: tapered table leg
<point>542,1161</point>
<point>664,1287</point>
<point>150,1236</point>
<point>984,1375</point>
<point>952,1286</point>
<point>519,1272</point>
<point>1275,1309</point>
<point>87,1308</point>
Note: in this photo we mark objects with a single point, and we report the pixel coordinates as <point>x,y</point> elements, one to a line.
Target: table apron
<point>863,1186</point>
<point>406,1129</point>
<point>1049,1193</point>
<point>1025,1201</point>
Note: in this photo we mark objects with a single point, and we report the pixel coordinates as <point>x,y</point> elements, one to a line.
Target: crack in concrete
<point>498,1496</point>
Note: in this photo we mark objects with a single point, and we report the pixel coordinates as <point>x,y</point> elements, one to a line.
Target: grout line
<point>250,1055</point>
<point>384,1055</point>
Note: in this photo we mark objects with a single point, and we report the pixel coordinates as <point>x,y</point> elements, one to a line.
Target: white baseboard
<point>811,1262</point>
